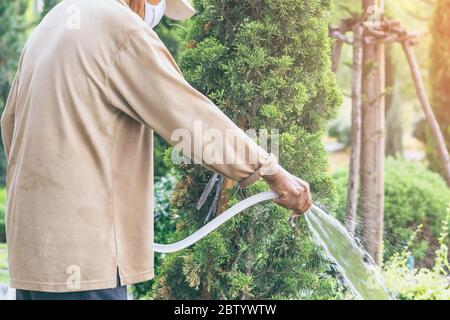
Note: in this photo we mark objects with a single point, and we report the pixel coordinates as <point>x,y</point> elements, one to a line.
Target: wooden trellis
<point>364,33</point>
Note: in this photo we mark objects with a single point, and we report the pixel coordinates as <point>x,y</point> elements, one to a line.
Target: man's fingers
<point>281,199</point>
<point>276,200</point>
<point>294,192</point>
<point>308,202</point>
<point>304,209</point>
<point>300,203</point>
<point>306,206</point>
<point>299,199</point>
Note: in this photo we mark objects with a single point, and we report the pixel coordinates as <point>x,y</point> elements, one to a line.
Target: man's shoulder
<point>107,14</point>
<point>79,21</point>
<point>113,14</point>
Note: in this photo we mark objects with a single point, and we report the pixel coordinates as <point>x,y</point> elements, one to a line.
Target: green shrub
<point>159,148</point>
<point>164,222</point>
<point>266,64</point>
<point>413,196</point>
<point>340,130</point>
<point>420,284</point>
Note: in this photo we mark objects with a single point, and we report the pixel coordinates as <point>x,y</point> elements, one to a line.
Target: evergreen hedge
<point>267,65</point>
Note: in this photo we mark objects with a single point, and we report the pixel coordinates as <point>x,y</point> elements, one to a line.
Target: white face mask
<point>154,14</point>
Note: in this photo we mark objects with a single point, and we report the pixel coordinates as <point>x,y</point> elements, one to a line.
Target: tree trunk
<point>434,125</point>
<point>372,144</point>
<point>337,50</point>
<point>353,177</point>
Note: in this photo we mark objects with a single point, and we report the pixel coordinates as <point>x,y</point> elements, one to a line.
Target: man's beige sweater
<point>93,83</point>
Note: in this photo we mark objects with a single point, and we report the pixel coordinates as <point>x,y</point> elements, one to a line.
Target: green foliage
<point>12,31</point>
<point>159,148</point>
<point>413,196</point>
<point>164,221</point>
<point>341,131</point>
<point>267,65</point>
<point>171,33</point>
<point>421,284</point>
<point>440,69</point>
<point>48,5</point>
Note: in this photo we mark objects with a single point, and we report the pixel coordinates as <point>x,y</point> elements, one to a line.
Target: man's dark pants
<point>118,293</point>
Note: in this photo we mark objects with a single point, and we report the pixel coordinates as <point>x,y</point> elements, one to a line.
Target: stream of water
<point>361,274</point>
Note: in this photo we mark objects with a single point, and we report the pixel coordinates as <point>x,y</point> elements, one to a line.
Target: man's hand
<point>294,192</point>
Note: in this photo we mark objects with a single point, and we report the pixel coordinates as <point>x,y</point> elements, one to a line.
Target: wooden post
<point>353,177</point>
<point>434,125</point>
<point>371,201</point>
<point>337,50</point>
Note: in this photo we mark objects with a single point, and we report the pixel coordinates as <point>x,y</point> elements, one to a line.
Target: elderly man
<point>93,83</point>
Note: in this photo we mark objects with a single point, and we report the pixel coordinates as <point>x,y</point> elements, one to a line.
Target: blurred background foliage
<point>414,197</point>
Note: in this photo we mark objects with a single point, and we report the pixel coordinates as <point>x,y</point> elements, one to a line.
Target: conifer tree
<point>266,63</point>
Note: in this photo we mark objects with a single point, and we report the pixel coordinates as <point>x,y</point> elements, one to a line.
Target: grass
<point>4,278</point>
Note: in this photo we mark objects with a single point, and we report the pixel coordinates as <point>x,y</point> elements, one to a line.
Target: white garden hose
<point>214,224</point>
